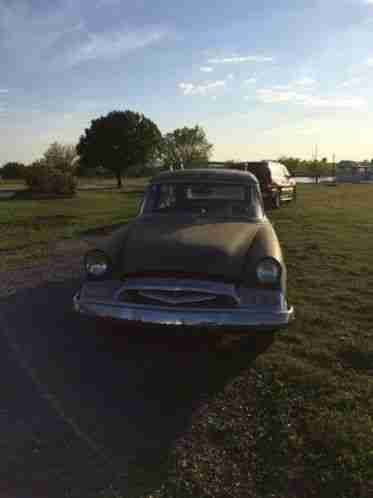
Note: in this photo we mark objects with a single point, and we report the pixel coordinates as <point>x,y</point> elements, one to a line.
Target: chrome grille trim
<point>157,289</point>
<point>182,298</point>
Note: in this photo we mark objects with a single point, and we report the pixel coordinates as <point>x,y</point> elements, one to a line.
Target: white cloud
<point>206,69</point>
<point>239,59</point>
<point>59,38</point>
<point>369,62</point>
<point>30,37</point>
<point>201,89</point>
<point>306,81</point>
<point>275,96</point>
<point>205,88</point>
<point>352,81</point>
<point>369,2</point>
<point>113,45</point>
<point>4,90</point>
<point>282,87</point>
<point>250,81</point>
<point>272,96</point>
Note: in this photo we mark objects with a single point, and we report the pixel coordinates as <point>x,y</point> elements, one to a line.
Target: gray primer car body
<point>192,268</point>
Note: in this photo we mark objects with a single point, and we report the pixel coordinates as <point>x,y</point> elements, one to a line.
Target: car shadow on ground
<point>101,230</point>
<point>130,391</point>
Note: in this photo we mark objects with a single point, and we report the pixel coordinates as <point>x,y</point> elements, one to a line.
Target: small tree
<point>118,141</point>
<point>185,146</point>
<point>61,157</point>
<point>317,168</point>
<point>43,179</point>
<point>54,173</point>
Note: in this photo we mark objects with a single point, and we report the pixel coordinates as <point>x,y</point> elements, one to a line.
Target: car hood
<point>203,246</point>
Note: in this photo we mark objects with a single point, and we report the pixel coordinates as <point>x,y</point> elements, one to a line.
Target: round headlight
<point>268,271</point>
<point>96,263</point>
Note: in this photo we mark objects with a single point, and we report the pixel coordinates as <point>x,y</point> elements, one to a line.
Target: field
<point>319,373</point>
<point>313,387</point>
<point>28,228</point>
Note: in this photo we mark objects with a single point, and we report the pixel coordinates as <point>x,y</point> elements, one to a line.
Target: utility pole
<point>334,167</point>
<point>315,152</point>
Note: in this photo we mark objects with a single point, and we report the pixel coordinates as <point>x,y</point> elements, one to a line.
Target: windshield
<point>208,198</point>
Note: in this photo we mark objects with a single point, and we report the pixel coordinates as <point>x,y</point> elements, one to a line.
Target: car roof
<point>260,164</point>
<point>203,174</point>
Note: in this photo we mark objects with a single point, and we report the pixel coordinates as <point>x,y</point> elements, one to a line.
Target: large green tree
<point>119,140</point>
<point>185,146</point>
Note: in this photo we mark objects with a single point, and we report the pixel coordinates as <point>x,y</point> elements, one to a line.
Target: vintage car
<point>201,252</point>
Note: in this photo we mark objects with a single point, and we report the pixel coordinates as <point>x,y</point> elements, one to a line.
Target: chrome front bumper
<point>102,302</point>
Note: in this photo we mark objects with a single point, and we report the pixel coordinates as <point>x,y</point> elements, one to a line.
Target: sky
<point>265,78</point>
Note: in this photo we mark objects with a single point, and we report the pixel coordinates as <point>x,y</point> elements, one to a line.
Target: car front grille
<point>178,298</point>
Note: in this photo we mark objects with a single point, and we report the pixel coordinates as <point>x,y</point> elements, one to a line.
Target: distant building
<point>353,172</point>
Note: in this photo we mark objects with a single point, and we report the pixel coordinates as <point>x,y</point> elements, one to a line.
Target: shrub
<point>12,171</point>
<point>43,179</point>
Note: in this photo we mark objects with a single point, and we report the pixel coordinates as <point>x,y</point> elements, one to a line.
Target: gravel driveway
<point>85,408</point>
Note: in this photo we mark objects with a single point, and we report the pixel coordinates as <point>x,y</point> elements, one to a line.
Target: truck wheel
<point>276,201</point>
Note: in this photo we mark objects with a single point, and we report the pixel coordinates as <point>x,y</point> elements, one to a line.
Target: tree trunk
<point>119,179</point>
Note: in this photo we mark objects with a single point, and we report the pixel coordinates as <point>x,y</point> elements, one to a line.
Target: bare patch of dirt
<point>64,262</point>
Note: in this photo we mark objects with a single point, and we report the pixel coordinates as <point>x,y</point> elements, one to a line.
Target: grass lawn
<point>28,227</point>
<point>313,394</point>
<point>316,403</point>
<point>313,387</point>
<point>82,183</point>
<point>12,184</point>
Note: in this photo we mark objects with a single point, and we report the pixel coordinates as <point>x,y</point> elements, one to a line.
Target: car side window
<point>167,196</point>
<point>159,197</point>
